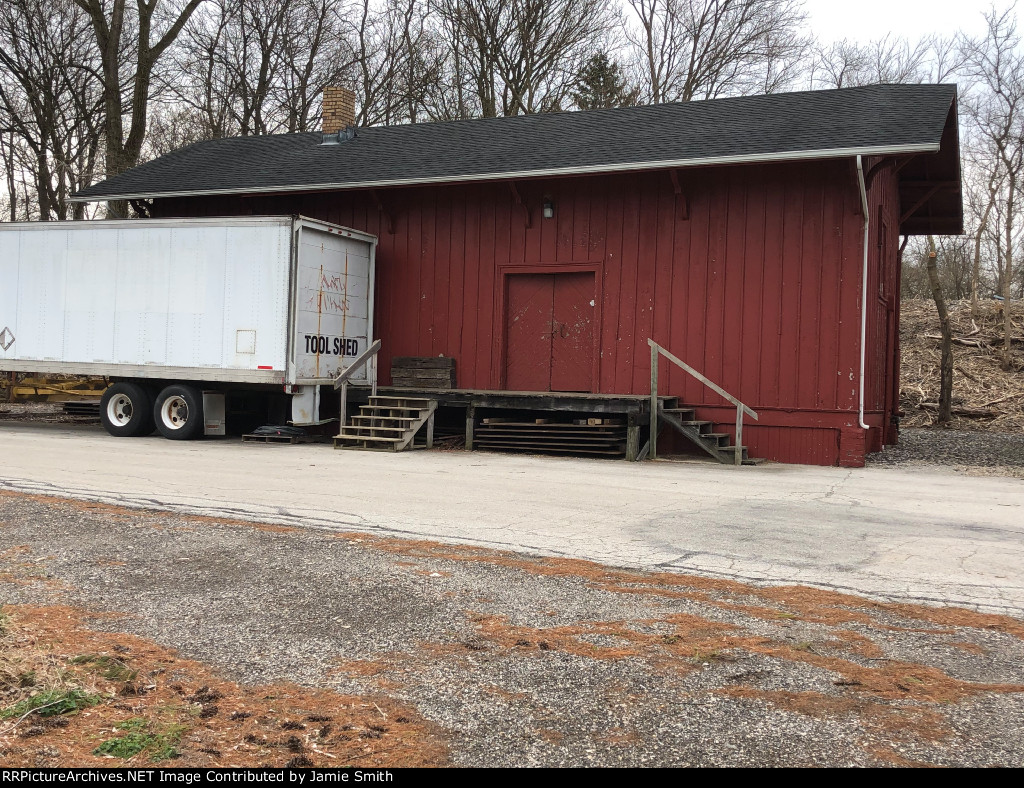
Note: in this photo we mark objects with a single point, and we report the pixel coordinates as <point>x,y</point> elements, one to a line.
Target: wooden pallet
<point>412,372</point>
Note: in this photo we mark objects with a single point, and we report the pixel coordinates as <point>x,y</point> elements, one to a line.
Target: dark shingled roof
<point>867,120</point>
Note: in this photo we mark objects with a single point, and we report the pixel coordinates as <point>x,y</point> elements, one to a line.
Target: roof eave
<point>760,158</point>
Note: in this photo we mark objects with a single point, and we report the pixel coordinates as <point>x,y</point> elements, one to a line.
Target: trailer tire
<point>178,413</point>
<point>126,410</point>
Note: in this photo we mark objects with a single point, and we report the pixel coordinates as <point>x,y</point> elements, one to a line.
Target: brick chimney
<point>339,109</point>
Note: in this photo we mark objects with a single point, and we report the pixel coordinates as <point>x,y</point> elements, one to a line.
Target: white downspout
<point>863,287</point>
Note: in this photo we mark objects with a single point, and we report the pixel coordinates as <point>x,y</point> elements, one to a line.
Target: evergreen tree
<point>601,84</point>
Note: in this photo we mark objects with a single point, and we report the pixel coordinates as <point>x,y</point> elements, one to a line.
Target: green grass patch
<point>52,703</point>
<point>137,735</point>
<point>110,668</point>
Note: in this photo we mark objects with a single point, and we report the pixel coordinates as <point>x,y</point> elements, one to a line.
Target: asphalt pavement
<point>911,534</point>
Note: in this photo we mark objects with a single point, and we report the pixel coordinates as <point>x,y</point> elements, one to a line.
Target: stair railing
<point>657,350</point>
<point>341,382</point>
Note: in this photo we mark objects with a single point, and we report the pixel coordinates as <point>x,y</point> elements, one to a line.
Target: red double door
<point>550,332</point>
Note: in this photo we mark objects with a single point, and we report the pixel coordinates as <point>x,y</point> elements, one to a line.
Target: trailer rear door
<point>333,301</point>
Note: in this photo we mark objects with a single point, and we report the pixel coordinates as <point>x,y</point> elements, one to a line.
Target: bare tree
<point>7,159</point>
<point>413,60</point>
<point>702,49</point>
<point>522,56</point>
<point>51,102</point>
<point>254,56</point>
<point>199,81</point>
<point>126,86</point>
<point>317,54</point>
<point>997,63</point>
<point>386,44</point>
<point>887,60</point>
<point>946,364</point>
<point>983,185</point>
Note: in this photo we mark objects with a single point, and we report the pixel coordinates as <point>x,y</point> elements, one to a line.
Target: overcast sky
<point>864,20</point>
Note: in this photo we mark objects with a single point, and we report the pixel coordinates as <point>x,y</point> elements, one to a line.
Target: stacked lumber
<point>595,436</point>
<point>416,372</point>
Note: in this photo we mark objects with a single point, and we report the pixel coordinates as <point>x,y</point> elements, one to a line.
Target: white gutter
<point>863,287</point>
<point>756,158</point>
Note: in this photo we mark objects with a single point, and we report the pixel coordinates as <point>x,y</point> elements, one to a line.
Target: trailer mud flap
<point>214,413</point>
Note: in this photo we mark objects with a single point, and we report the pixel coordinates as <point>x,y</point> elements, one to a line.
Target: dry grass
<point>893,723</point>
<point>781,602</point>
<point>980,384</point>
<point>179,711</point>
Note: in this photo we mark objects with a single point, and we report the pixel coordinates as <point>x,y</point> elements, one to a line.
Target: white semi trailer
<point>181,313</point>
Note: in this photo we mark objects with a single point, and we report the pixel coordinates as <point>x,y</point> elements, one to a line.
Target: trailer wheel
<point>126,410</point>
<point>178,413</point>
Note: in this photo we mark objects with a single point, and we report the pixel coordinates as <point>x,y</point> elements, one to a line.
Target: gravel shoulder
<point>970,452</point>
<point>514,661</point>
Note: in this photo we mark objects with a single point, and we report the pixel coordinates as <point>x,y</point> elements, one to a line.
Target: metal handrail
<point>341,382</point>
<point>657,350</point>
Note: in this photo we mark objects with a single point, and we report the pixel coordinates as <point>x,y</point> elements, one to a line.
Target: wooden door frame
<point>595,267</point>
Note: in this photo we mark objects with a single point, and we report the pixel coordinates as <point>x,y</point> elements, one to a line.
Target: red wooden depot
<point>751,273</point>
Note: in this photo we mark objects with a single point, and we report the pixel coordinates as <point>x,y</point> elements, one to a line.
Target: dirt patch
<point>132,699</point>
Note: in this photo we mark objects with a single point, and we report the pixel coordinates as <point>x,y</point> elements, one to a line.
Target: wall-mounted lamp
<point>549,208</point>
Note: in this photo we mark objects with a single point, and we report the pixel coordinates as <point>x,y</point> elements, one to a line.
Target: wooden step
<point>366,438</point>
<point>355,430</point>
<point>714,443</point>
<point>384,418</point>
<point>381,401</point>
<point>390,423</point>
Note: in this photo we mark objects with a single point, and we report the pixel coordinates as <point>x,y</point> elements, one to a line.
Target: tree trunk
<point>1008,277</point>
<point>108,22</point>
<point>982,226</point>
<point>946,365</point>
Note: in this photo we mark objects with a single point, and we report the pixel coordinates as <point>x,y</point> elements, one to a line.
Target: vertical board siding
<point>751,274</point>
<point>807,445</point>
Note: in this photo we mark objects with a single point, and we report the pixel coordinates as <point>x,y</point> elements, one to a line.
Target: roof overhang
<point>764,158</point>
<point>931,188</point>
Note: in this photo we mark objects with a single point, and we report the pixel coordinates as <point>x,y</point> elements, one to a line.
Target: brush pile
<point>985,396</point>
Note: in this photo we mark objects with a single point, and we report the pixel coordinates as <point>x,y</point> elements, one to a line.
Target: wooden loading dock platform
<point>610,425</point>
